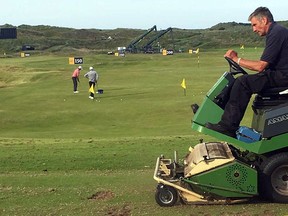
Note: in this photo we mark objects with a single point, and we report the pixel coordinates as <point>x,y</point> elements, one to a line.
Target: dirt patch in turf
<point>124,210</point>
<point>102,195</point>
<point>121,211</point>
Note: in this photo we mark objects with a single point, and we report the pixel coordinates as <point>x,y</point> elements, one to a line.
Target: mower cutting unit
<point>235,169</point>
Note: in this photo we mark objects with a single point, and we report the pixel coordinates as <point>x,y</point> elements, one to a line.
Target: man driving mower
<point>272,71</point>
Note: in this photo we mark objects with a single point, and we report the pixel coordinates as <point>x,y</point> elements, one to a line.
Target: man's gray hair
<point>261,12</point>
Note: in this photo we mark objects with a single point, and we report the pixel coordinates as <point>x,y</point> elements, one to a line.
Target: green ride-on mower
<point>235,169</point>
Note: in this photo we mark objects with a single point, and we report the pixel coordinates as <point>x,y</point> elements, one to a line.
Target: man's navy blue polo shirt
<point>276,49</point>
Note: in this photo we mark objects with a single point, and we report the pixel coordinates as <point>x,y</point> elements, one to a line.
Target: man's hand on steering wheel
<point>231,56</point>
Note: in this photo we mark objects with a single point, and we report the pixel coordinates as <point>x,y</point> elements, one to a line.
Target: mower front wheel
<point>166,196</point>
<point>273,179</point>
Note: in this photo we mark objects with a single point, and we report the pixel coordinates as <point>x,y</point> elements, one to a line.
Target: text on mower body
<point>278,119</point>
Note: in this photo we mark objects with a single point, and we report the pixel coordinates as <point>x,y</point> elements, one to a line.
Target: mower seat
<point>270,97</point>
<point>267,105</point>
<point>273,92</point>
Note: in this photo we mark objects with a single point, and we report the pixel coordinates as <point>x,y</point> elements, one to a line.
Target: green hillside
<point>68,40</point>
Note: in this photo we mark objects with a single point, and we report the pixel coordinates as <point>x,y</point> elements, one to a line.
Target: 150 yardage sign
<point>76,60</point>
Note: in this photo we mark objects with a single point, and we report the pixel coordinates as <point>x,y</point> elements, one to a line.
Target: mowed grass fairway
<point>64,154</point>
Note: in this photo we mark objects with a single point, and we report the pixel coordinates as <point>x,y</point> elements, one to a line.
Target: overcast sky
<point>139,14</point>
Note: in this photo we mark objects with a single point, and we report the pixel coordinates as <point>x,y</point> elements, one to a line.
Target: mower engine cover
<point>276,121</point>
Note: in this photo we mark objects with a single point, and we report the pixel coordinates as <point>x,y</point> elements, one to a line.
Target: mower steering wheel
<point>234,67</point>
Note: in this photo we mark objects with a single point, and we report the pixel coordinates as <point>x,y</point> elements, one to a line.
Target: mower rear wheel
<point>166,196</point>
<point>273,179</point>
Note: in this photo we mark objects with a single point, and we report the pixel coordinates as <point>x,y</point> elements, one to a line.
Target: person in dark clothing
<point>93,76</point>
<point>272,71</point>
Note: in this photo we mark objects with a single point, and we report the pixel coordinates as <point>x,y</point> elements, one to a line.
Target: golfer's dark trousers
<point>90,84</point>
<point>74,79</point>
<point>242,90</point>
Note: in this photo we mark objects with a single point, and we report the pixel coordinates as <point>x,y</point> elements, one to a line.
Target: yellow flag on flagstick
<point>183,84</point>
<point>242,47</point>
<point>197,51</point>
<point>91,89</point>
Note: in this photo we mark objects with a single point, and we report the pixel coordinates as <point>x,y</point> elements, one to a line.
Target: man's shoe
<point>219,128</point>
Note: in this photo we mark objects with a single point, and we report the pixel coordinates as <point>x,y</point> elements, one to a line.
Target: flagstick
<point>183,85</point>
